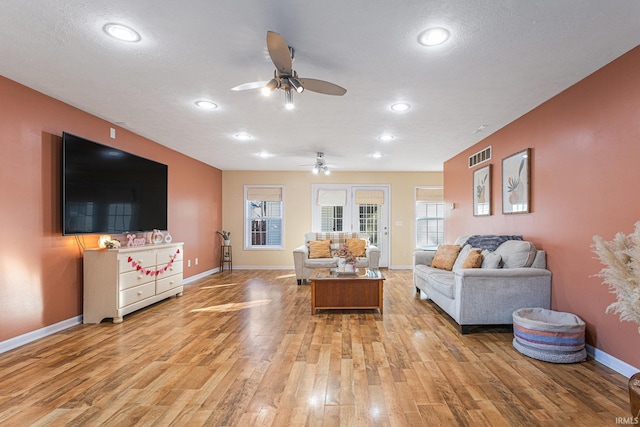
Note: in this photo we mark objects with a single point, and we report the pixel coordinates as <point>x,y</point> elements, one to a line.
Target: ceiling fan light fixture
<point>270,87</point>
<point>433,36</point>
<point>296,84</point>
<point>327,171</point>
<point>315,170</point>
<point>288,100</point>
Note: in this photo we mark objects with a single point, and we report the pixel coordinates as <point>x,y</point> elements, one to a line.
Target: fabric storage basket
<point>548,335</point>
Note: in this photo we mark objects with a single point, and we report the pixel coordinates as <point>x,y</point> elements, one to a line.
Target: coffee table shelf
<point>331,291</point>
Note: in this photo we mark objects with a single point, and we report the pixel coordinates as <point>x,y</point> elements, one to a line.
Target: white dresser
<point>120,281</point>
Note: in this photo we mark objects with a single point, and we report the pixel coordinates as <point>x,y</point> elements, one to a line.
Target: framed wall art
<point>516,183</point>
<point>482,191</point>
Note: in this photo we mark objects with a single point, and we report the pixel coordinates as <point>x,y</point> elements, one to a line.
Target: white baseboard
<point>200,276</point>
<point>611,362</point>
<point>21,340</point>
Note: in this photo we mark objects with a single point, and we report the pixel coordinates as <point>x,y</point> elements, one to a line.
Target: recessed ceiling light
<point>433,36</point>
<point>122,32</point>
<point>376,155</point>
<point>264,154</point>
<point>386,137</point>
<point>400,106</point>
<point>207,105</point>
<point>243,136</point>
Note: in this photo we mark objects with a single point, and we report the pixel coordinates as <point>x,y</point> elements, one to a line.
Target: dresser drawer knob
<point>139,292</point>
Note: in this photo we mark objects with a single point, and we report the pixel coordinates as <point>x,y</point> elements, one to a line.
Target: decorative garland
<point>148,272</point>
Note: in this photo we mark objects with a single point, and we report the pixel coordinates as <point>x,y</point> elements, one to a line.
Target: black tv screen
<point>110,191</point>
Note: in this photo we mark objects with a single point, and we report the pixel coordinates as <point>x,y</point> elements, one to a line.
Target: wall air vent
<point>480,156</point>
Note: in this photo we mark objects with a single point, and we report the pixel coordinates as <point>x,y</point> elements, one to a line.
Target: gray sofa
<point>304,266</point>
<point>512,276</point>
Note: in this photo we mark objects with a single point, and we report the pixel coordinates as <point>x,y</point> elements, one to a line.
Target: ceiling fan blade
<point>279,52</point>
<point>320,86</point>
<point>251,85</point>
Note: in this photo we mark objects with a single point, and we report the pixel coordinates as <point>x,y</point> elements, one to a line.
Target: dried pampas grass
<point>621,256</point>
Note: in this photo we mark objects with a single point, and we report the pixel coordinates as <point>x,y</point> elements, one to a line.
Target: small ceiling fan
<point>321,165</point>
<point>285,77</point>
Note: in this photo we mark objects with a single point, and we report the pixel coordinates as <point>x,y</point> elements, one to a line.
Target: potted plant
<point>621,257</point>
<point>226,237</point>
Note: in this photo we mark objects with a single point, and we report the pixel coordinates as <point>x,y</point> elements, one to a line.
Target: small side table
<point>225,257</point>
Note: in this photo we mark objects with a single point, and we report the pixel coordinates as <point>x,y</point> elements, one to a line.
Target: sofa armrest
<point>300,254</point>
<point>373,255</point>
<point>489,296</point>
<point>423,257</point>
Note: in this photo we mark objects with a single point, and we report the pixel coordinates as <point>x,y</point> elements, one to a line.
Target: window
<point>429,217</point>
<point>332,218</point>
<point>264,217</point>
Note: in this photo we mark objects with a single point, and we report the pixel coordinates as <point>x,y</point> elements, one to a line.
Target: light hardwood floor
<point>242,348</point>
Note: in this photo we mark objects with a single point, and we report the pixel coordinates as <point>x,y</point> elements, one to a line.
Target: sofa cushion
<point>337,238</point>
<point>319,249</point>
<point>443,283</point>
<point>462,255</point>
<point>321,263</point>
<point>473,260</point>
<point>516,253</point>
<point>357,246</point>
<point>490,259</point>
<point>445,257</point>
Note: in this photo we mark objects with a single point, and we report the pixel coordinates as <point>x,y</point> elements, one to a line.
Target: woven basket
<point>551,336</point>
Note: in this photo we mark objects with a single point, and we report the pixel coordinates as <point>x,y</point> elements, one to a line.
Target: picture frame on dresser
<point>516,183</point>
<point>482,191</point>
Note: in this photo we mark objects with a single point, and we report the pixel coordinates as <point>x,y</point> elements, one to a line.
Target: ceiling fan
<point>285,77</point>
<point>321,165</point>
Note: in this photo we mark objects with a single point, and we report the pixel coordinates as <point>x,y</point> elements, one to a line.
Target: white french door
<point>355,208</point>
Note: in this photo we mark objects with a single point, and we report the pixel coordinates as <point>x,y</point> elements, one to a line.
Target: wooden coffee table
<point>331,290</point>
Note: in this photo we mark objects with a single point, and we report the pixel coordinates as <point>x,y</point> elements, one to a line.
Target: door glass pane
<point>368,221</point>
<point>332,218</point>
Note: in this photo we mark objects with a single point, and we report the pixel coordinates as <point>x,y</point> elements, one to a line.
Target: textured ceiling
<point>503,59</point>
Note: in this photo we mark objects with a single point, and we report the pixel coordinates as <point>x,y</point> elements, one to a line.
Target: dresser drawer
<point>174,268</point>
<point>170,282</point>
<point>129,296</point>
<point>134,278</point>
<point>131,260</point>
<point>167,254</point>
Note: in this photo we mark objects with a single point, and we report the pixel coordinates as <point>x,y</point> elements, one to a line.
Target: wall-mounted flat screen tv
<point>110,191</point>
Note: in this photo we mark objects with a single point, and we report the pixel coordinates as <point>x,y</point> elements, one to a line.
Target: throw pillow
<point>319,249</point>
<point>490,259</point>
<point>462,256</point>
<point>357,246</point>
<point>445,257</point>
<point>473,260</point>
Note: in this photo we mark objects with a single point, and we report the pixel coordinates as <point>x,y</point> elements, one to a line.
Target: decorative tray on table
<point>344,273</point>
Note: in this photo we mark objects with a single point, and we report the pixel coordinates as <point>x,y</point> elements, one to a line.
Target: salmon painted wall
<point>41,270</point>
<point>585,146</point>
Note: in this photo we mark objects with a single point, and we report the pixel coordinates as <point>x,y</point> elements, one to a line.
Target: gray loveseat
<point>512,276</point>
<point>304,265</point>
